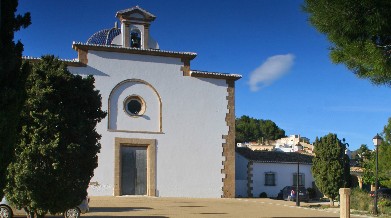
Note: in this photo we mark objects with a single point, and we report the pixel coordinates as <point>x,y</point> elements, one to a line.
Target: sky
<point>287,74</point>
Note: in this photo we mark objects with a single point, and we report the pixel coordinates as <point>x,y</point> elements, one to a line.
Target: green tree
<point>270,130</point>
<point>360,33</point>
<point>385,164</point>
<point>384,160</point>
<point>247,129</point>
<point>12,79</point>
<point>385,156</point>
<point>329,165</point>
<point>363,154</point>
<point>250,129</point>
<point>57,152</point>
<point>387,132</point>
<point>369,169</point>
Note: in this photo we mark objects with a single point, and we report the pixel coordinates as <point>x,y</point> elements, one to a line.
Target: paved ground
<point>190,207</point>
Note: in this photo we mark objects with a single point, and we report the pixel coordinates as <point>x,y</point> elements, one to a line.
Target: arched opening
<point>135,98</point>
<point>354,181</point>
<point>135,38</point>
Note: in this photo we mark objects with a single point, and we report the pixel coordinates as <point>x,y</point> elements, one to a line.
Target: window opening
<point>301,179</point>
<point>134,105</point>
<point>135,39</point>
<point>270,179</point>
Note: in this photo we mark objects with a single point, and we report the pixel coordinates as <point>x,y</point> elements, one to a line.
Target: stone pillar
<point>125,34</point>
<point>344,205</point>
<point>146,36</point>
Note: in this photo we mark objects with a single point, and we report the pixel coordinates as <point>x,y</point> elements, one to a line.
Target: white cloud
<point>269,71</point>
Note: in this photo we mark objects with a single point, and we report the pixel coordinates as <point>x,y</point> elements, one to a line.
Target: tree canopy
<point>330,165</point>
<point>12,79</point>
<point>251,129</point>
<point>360,33</point>
<point>57,151</point>
<point>362,155</point>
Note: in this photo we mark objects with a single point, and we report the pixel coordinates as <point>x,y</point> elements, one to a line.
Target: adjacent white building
<point>269,172</point>
<point>169,130</point>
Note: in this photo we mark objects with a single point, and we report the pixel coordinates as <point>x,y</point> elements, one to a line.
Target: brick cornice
<point>154,52</point>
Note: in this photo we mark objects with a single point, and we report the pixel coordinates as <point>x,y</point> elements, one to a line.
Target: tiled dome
<point>104,37</point>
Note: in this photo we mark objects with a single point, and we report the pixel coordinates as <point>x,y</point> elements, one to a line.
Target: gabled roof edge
<point>120,49</point>
<point>206,74</point>
<point>135,8</point>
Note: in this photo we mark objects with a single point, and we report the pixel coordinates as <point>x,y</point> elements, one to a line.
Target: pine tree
<point>360,33</point>
<point>249,129</point>
<point>12,79</point>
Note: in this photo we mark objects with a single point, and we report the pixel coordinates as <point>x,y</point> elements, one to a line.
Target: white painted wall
<point>284,177</point>
<point>189,149</point>
<point>119,119</point>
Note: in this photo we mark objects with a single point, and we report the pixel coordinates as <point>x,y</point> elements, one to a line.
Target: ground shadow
<point>192,206</point>
<point>125,216</point>
<point>212,213</point>
<point>117,209</point>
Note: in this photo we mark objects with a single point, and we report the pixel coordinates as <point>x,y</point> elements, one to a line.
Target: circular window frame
<point>136,98</point>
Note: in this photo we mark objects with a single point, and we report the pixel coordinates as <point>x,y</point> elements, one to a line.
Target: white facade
<point>293,143</point>
<point>283,177</point>
<point>284,148</point>
<point>252,167</point>
<point>184,117</point>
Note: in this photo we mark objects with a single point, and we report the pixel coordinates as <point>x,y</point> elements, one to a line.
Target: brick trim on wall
<point>229,145</point>
<point>250,179</point>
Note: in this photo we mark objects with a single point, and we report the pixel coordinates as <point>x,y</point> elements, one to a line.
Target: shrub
<point>263,195</point>
<point>360,200</point>
<point>384,205</point>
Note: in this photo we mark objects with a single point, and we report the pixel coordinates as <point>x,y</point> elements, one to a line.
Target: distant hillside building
<point>170,130</point>
<point>293,143</point>
<point>256,146</point>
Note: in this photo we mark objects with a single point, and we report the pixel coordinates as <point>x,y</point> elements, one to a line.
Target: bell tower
<point>135,24</point>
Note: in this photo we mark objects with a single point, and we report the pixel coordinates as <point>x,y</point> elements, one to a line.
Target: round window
<point>134,105</point>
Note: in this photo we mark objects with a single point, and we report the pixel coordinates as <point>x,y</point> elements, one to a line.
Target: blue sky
<point>287,75</point>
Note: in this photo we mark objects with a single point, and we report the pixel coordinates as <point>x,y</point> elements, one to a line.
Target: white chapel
<point>169,130</point>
